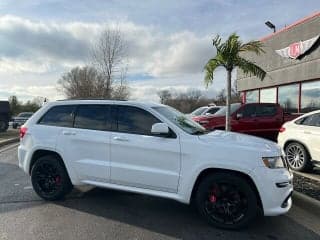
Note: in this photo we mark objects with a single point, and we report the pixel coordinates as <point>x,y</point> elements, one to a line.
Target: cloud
<point>38,47</point>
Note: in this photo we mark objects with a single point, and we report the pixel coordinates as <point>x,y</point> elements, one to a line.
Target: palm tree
<point>228,56</point>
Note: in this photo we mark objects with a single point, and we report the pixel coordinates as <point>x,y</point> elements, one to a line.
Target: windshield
<point>180,120</point>
<point>199,111</point>
<point>233,107</point>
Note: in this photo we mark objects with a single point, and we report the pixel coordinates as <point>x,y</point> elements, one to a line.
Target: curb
<point>307,203</point>
<point>8,141</point>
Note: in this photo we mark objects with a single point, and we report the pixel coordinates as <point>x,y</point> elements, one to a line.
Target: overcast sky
<point>169,41</point>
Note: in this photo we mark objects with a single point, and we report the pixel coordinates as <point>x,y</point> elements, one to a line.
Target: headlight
<point>273,162</point>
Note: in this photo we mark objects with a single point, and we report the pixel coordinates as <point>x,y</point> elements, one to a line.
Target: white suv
<point>154,149</point>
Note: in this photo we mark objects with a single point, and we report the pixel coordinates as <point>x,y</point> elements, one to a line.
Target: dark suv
<point>4,115</point>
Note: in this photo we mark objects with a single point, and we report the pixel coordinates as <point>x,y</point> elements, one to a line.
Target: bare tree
<point>164,96</point>
<point>109,58</point>
<point>85,82</point>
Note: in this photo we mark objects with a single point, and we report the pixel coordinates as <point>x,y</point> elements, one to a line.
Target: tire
<point>297,157</point>
<point>226,201</point>
<point>3,125</point>
<point>50,179</point>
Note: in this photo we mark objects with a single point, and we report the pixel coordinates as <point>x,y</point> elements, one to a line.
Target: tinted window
<point>312,120</point>
<point>266,110</point>
<point>135,120</point>
<point>95,117</point>
<point>248,111</point>
<point>59,116</point>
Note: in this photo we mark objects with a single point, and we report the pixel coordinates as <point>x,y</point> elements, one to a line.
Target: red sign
<point>294,50</point>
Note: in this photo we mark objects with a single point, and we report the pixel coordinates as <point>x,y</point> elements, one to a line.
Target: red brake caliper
<point>58,179</point>
<point>213,197</point>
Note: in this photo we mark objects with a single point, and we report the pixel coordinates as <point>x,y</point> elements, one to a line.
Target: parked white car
<point>154,149</point>
<point>206,110</point>
<point>300,139</point>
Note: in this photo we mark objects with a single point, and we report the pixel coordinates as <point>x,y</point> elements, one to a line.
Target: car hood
<point>238,140</point>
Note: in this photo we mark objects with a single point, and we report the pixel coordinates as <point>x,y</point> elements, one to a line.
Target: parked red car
<point>259,119</point>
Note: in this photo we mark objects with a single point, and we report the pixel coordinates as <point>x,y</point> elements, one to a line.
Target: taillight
<point>282,129</point>
<point>23,131</point>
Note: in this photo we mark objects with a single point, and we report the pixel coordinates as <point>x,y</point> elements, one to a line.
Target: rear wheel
<point>50,179</point>
<point>3,125</point>
<point>226,200</point>
<point>298,158</point>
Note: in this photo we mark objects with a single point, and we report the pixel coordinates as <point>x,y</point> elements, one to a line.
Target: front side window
<point>248,111</point>
<point>61,116</point>
<point>94,117</point>
<point>135,120</point>
<point>266,110</point>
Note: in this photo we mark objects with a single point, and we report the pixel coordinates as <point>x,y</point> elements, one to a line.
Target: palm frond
<point>209,68</point>
<point>252,46</point>
<point>250,68</point>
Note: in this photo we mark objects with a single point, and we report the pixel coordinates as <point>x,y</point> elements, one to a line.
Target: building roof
<point>305,19</point>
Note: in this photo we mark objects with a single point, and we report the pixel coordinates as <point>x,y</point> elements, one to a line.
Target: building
<point>292,63</point>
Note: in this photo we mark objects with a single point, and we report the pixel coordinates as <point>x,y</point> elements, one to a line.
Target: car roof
<point>103,101</point>
<point>307,114</point>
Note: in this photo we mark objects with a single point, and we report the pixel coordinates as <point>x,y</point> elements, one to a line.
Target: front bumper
<point>275,189</point>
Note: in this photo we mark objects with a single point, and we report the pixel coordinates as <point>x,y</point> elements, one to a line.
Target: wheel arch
<point>41,153</point>
<point>204,173</point>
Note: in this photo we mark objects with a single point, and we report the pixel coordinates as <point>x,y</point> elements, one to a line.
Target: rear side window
<point>266,110</point>
<point>95,117</point>
<point>61,116</point>
<point>135,120</point>
<point>312,120</point>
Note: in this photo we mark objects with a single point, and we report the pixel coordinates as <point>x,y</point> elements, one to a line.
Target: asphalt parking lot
<point>107,214</point>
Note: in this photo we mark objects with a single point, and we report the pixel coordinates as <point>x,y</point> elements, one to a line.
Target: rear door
<point>310,129</point>
<point>139,159</point>
<point>86,145</point>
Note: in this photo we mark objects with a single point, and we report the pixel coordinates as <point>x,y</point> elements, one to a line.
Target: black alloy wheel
<point>226,201</point>
<point>50,179</point>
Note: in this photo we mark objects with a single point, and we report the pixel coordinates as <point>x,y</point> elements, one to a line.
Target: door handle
<point>307,132</point>
<point>68,133</point>
<point>121,139</point>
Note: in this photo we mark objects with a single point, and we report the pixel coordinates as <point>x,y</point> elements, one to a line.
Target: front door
<point>139,159</point>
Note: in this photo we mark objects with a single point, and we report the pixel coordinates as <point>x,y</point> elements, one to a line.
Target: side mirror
<point>239,115</point>
<point>160,129</point>
<point>207,114</point>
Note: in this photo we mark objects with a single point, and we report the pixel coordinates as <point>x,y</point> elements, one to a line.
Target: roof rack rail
<point>71,99</point>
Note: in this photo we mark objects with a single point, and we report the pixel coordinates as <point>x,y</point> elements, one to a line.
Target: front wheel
<point>226,201</point>
<point>50,179</point>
